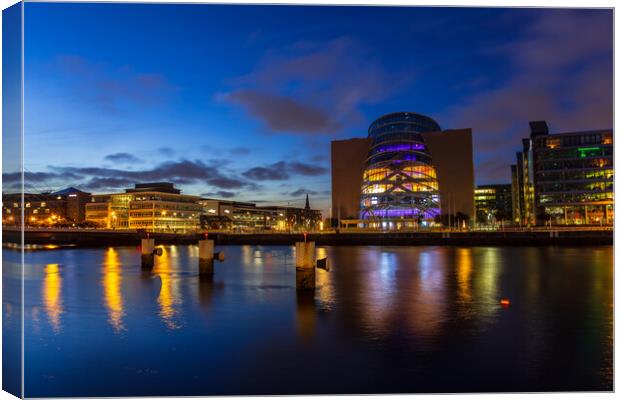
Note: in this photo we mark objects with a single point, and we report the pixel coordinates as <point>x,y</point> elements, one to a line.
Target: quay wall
<point>98,238</point>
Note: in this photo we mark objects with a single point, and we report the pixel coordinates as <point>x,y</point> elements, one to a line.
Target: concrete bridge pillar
<point>305,275</point>
<point>205,257</point>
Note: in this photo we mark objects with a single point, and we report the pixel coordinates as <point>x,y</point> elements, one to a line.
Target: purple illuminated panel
<point>402,147</point>
<point>404,213</point>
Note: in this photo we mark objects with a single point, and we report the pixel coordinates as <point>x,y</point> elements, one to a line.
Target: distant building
<point>227,214</point>
<point>154,207</point>
<point>236,215</point>
<point>493,203</point>
<point>75,203</point>
<point>64,207</point>
<point>407,170</point>
<point>565,178</point>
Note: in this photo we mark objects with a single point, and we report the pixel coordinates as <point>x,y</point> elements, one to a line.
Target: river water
<point>383,320</point>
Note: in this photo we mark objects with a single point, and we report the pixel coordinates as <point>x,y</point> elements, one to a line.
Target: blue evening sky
<point>242,101</point>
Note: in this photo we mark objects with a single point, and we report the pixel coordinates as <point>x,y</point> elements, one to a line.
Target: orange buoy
<point>505,302</point>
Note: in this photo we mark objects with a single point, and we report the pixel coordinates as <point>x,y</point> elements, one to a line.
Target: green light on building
<point>583,151</point>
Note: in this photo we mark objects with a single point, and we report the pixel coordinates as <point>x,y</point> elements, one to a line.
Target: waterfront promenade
<point>539,236</point>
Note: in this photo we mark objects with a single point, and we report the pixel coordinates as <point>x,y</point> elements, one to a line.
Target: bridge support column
<point>148,255</point>
<point>305,275</point>
<point>205,257</point>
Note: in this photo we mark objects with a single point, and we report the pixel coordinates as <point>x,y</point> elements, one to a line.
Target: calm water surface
<point>384,319</point>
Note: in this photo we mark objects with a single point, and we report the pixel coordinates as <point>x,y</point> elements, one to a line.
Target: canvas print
<point>244,199</point>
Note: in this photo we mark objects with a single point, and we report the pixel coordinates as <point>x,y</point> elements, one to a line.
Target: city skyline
<point>248,111</point>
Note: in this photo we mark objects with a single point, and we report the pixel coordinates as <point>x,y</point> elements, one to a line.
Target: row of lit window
<point>165,206</point>
<point>161,214</point>
<point>576,186</point>
<point>576,175</point>
<point>428,186</point>
<point>568,198</point>
<point>575,164</point>
<point>578,140</point>
<point>416,172</point>
<point>28,205</point>
<point>581,152</point>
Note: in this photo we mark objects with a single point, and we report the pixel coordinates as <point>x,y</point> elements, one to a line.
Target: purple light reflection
<point>402,147</point>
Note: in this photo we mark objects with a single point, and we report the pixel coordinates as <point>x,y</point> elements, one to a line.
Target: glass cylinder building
<point>399,179</point>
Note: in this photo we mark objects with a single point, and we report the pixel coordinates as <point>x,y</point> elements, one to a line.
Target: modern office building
<point>64,207</point>
<point>493,204</point>
<point>245,216</point>
<point>565,178</point>
<point>237,215</point>
<point>154,207</point>
<point>405,172</point>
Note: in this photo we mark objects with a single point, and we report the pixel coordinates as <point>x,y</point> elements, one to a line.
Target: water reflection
<point>404,318</point>
<point>463,275</point>
<point>486,280</point>
<point>169,300</point>
<point>52,286</point>
<point>112,279</point>
<point>206,290</point>
<point>324,281</point>
<point>306,315</point>
<point>427,297</point>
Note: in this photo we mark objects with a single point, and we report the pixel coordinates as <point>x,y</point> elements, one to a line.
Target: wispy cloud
<point>181,172</point>
<point>123,158</point>
<point>311,87</point>
<point>210,175</point>
<point>111,88</point>
<point>283,170</point>
<point>220,193</point>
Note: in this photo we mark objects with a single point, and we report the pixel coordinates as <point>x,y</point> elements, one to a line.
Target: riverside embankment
<point>98,238</point>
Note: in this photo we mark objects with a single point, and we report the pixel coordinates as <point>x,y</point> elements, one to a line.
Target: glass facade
<point>493,203</point>
<point>574,177</point>
<point>399,178</point>
<point>564,178</point>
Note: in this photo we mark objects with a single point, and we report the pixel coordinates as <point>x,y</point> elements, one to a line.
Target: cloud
<point>284,114</point>
<point>563,74</point>
<point>105,183</point>
<point>220,193</point>
<point>312,87</point>
<point>180,172</point>
<point>111,88</point>
<point>227,183</point>
<point>239,151</point>
<point>283,170</point>
<point>35,182</point>
<point>274,172</point>
<point>124,158</point>
<point>301,192</point>
<point>306,169</point>
<point>36,177</point>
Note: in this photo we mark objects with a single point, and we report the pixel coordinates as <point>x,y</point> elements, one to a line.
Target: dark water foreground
<point>385,319</point>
